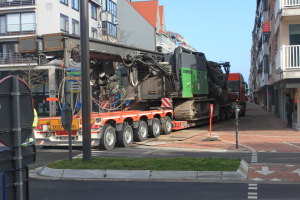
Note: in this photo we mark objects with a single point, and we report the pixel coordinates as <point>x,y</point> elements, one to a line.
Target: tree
<point>32,75</point>
<point>107,33</point>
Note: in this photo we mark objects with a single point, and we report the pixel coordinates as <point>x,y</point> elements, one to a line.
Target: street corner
<point>276,173</point>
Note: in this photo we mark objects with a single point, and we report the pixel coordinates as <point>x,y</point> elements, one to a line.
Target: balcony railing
<point>10,3</point>
<point>288,57</point>
<point>279,4</point>
<point>13,59</point>
<point>18,29</point>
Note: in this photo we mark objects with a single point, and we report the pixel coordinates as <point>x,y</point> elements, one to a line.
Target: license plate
<point>56,125</point>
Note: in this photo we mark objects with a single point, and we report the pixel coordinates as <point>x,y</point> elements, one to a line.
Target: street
<point>278,155</point>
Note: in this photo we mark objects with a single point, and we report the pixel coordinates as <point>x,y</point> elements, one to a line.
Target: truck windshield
<point>233,85</point>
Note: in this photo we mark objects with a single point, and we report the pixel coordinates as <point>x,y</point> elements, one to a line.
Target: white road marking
<point>297,171</point>
<point>290,165</point>
<point>252,184</point>
<point>257,179</point>
<point>252,188</point>
<point>273,151</point>
<point>292,145</point>
<point>252,193</point>
<point>252,197</point>
<point>265,170</point>
<point>275,179</point>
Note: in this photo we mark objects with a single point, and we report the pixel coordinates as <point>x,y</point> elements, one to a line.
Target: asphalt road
<point>49,190</point>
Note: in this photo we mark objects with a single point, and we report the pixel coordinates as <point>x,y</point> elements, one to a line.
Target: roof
<point>148,9</point>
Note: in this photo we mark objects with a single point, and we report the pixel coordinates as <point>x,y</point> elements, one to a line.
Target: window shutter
<point>13,22</point>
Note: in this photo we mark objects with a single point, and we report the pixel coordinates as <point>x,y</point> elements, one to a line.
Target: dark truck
<point>237,90</point>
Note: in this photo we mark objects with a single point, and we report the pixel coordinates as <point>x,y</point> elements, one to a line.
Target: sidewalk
<point>259,131</point>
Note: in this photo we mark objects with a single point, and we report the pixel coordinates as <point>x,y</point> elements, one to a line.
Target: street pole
<point>17,137</point>
<point>237,127</point>
<point>85,79</point>
<point>70,132</point>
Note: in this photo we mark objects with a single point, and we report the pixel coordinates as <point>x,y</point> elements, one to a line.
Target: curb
<point>240,175</point>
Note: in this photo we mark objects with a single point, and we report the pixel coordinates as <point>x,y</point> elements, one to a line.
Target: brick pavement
<point>259,131</point>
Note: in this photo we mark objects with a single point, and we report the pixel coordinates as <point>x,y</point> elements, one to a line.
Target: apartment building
<point>23,18</point>
<point>280,67</point>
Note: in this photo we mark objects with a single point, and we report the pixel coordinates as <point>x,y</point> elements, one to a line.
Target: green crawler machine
<point>187,77</point>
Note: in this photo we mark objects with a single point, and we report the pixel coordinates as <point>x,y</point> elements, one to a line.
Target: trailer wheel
<point>108,139</point>
<point>166,127</point>
<point>125,136</point>
<point>154,129</point>
<point>141,133</point>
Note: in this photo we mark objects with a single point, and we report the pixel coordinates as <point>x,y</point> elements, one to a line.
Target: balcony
<point>12,3</point>
<point>164,44</point>
<point>13,59</point>
<point>286,8</point>
<point>287,62</point>
<point>288,58</point>
<point>17,29</point>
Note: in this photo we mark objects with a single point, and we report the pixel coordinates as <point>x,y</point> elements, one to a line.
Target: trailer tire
<point>166,127</point>
<point>155,128</point>
<point>140,134</point>
<point>108,139</point>
<point>125,136</point>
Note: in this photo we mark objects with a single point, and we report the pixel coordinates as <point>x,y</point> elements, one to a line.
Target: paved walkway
<point>259,131</point>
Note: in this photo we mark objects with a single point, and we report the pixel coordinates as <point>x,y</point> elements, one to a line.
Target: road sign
<point>79,105</point>
<point>270,93</point>
<point>56,124</point>
<point>9,185</point>
<point>7,157</point>
<point>8,107</point>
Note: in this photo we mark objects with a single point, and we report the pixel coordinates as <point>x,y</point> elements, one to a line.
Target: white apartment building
<point>23,18</point>
<point>282,67</point>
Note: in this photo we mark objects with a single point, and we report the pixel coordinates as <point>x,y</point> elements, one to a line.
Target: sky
<point>222,29</point>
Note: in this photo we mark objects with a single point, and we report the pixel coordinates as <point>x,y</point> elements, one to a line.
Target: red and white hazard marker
<point>166,102</point>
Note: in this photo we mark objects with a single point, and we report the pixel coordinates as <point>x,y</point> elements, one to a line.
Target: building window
<point>2,25</point>
<point>110,6</point>
<point>94,33</point>
<point>75,27</point>
<point>64,2</point>
<point>64,23</point>
<point>109,29</point>
<point>93,12</point>
<point>18,22</point>
<point>75,4</point>
<point>294,30</point>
